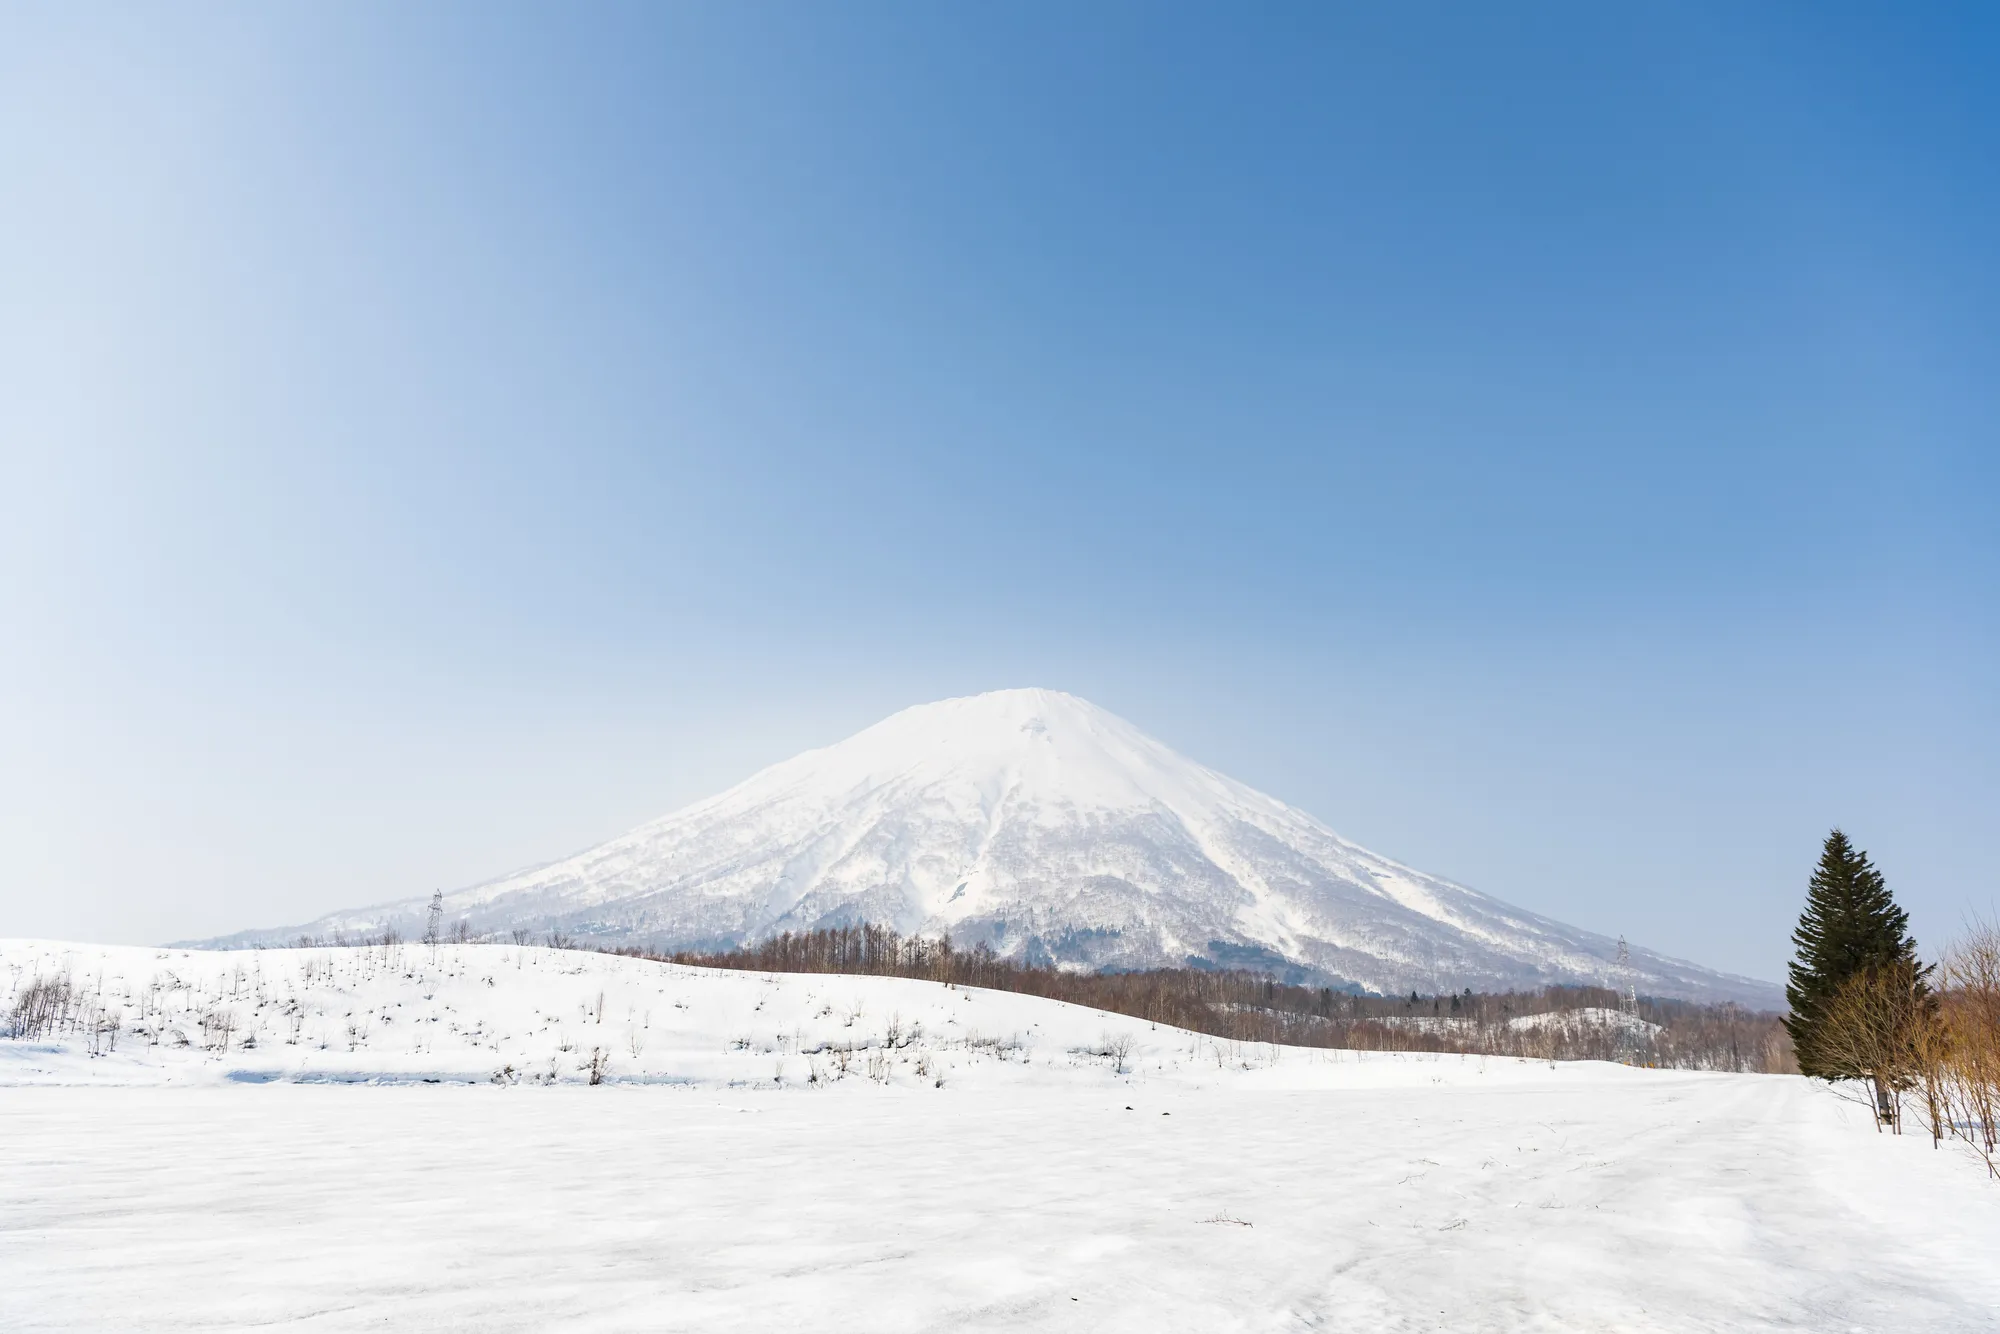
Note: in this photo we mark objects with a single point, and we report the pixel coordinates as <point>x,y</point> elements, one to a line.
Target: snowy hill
<point>507,1014</point>
<point>1050,829</point>
<point>525,1014</point>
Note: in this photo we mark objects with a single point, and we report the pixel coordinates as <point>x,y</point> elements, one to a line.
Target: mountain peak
<point>991,720</point>
<point>1036,752</point>
<point>1048,828</point>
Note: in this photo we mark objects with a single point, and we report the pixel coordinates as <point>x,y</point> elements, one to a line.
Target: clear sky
<point>1555,447</point>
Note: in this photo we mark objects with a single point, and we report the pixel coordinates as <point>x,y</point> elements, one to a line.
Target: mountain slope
<point>1040,824</point>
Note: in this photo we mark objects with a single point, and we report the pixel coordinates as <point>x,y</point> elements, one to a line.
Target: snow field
<point>524,1014</point>
<point>165,1187</point>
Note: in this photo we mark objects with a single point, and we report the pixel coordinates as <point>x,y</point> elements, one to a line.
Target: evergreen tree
<point>1851,925</point>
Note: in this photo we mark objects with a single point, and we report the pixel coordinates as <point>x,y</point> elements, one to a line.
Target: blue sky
<point>1557,448</point>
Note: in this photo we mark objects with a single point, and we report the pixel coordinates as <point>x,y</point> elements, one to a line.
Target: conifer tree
<point>1851,925</point>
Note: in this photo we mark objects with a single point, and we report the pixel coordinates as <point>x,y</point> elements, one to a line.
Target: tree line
<point>1549,1023</point>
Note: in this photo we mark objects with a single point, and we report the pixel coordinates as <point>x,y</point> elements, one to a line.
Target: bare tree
<point>218,1026</point>
<point>1875,1029</point>
<point>42,1007</point>
<point>1962,1050</point>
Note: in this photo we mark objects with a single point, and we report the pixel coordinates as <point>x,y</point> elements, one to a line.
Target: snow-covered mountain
<point>1039,823</point>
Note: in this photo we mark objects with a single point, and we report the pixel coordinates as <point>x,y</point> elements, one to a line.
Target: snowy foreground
<point>263,1146</point>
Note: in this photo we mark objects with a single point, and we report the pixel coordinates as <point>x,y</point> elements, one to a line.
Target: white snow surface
<point>409,1013</point>
<point>1051,829</point>
<point>1074,1171</point>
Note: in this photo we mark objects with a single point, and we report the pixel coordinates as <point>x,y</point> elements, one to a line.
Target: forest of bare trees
<point>1925,1040</point>
<point>1552,1023</point>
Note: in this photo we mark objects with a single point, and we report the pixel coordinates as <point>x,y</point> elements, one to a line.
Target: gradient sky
<point>1557,448</point>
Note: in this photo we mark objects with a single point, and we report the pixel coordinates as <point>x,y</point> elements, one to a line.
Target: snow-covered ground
<point>1073,1171</point>
<point>523,1014</point>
